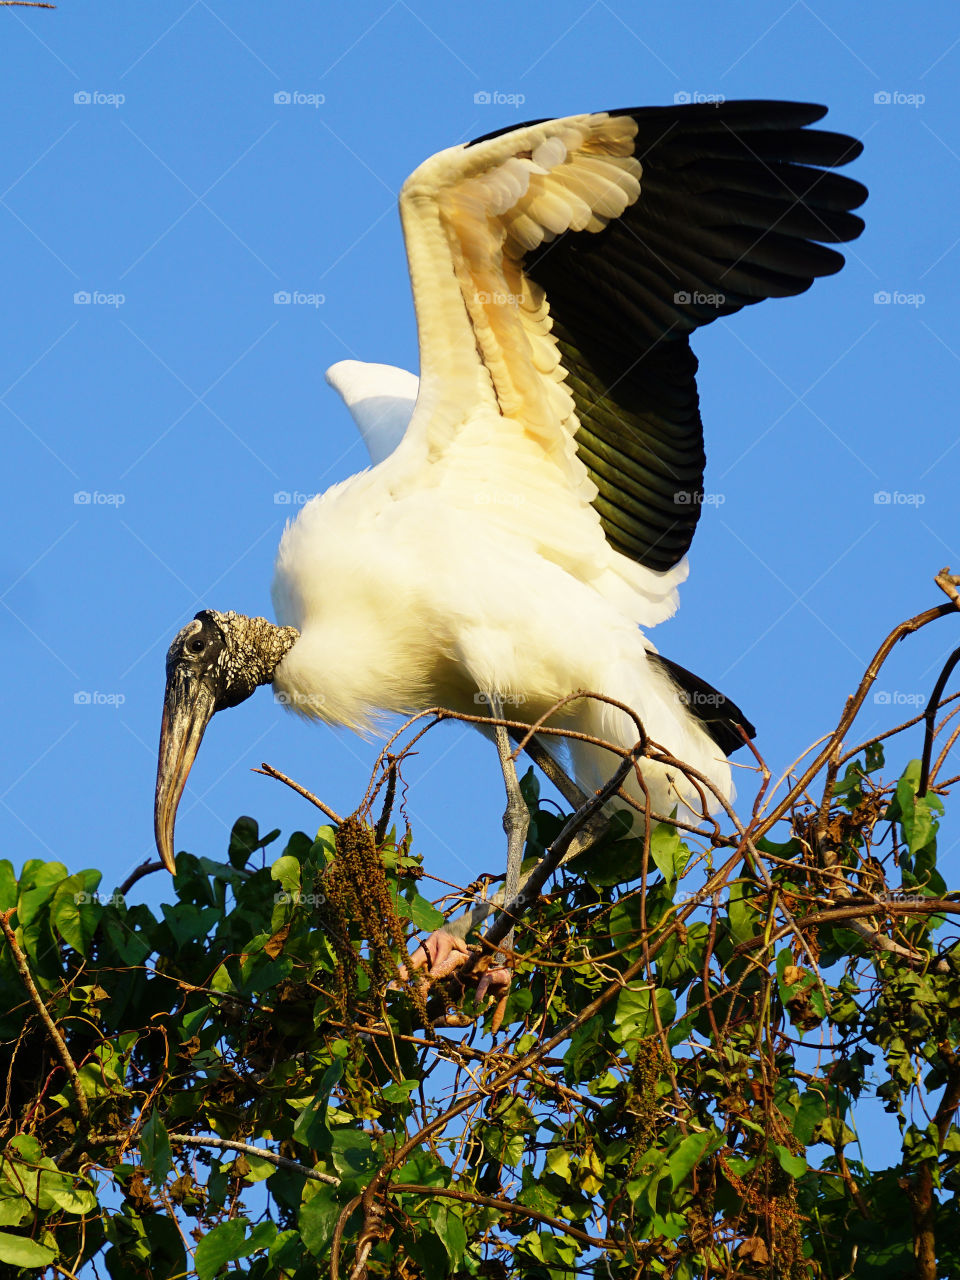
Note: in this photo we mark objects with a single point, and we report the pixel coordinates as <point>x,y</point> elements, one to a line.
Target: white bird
<point>533,496</point>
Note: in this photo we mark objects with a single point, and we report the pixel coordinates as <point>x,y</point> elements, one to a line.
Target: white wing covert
<point>558,268</point>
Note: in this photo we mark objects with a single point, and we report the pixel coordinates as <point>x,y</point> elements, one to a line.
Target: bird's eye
<point>197,645</point>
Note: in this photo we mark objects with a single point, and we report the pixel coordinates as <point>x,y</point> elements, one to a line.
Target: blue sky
<point>147,160</point>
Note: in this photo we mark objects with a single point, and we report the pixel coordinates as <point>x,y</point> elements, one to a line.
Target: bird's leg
<point>445,950</point>
<point>516,823</point>
<point>516,816</point>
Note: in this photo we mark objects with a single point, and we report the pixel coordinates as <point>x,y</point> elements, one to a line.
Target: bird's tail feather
<point>678,711</point>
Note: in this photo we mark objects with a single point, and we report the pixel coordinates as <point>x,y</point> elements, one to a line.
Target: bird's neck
<point>257,649</point>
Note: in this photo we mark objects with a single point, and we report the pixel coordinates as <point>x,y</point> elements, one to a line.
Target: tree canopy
<point>697,1024</point>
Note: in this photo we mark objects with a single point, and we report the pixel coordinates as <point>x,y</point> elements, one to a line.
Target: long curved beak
<point>188,705</point>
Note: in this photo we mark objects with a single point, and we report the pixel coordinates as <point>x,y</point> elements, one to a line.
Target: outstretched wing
<point>559,267</point>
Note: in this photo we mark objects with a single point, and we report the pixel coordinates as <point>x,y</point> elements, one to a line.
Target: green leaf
<point>8,885</point>
<point>584,1054</point>
<point>13,1210</point>
<point>810,1113</point>
<point>423,913</point>
<point>558,1162</point>
<point>744,919</point>
<point>449,1227</point>
<point>287,870</point>
<point>73,1199</point>
<point>258,1168</point>
<point>353,1152</point>
<point>530,789</point>
<point>625,923</point>
<point>245,840</point>
<point>75,911</point>
<point>424,1168</point>
<point>688,1153</point>
<point>796,1166</point>
<point>399,1093</point>
<point>668,851</point>
<point>225,1243</point>
<point>318,1217</point>
<point>916,814</point>
<point>634,1019</point>
<point>19,1251</point>
<point>155,1149</point>
<point>262,1236</point>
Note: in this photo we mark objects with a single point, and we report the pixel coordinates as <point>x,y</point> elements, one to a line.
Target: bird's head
<point>216,661</point>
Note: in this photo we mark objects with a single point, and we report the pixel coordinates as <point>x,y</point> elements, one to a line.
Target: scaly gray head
<point>216,661</point>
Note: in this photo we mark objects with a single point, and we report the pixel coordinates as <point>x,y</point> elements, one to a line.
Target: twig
<point>948,583</point>
<point>548,766</point>
<point>20,960</point>
<point>380,832</point>
<point>947,747</point>
<point>556,853</point>
<point>503,1206</point>
<point>900,632</point>
<point>852,915</point>
<point>248,1148</point>
<point>226,1144</point>
<point>269,771</point>
<point>144,869</point>
<point>929,719</point>
<point>889,733</point>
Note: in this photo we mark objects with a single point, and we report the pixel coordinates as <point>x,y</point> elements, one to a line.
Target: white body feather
<point>469,560</point>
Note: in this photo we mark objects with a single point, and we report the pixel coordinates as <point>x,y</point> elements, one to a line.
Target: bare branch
<point>269,771</point>
<point>23,968</point>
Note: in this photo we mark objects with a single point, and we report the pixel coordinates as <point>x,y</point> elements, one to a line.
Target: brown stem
<point>923,1199</point>
<point>144,869</point>
<point>853,705</point>
<point>271,772</point>
<point>929,720</point>
<point>503,1206</point>
<point>556,853</point>
<point>20,960</point>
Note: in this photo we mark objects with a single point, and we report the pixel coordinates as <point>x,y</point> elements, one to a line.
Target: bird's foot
<point>495,982</point>
<point>440,954</point>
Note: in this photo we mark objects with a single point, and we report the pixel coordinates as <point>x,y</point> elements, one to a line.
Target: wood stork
<point>533,496</point>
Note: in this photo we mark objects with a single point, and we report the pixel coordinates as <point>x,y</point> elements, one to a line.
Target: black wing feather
<point>737,204</point>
